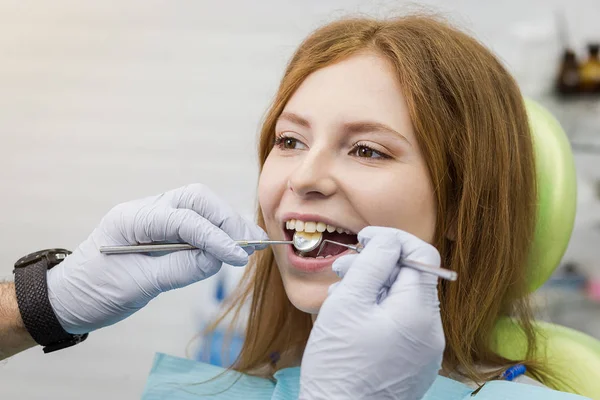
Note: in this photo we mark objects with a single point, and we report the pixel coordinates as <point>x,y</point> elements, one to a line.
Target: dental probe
<point>441,272</point>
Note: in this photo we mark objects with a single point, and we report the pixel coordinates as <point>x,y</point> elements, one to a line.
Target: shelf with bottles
<point>575,78</point>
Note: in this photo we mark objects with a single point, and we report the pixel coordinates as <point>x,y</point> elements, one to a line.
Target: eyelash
<point>282,137</point>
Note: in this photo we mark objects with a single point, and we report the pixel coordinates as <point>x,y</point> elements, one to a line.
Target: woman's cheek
<point>400,200</point>
<point>271,185</point>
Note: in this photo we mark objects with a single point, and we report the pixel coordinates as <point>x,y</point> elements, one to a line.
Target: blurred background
<point>103,102</point>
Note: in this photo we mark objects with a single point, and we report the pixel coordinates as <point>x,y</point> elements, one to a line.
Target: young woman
<point>405,123</point>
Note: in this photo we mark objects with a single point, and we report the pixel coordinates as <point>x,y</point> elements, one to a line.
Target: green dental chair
<point>573,355</point>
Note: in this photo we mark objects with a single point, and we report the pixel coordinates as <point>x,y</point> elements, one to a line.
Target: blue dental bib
<point>177,378</point>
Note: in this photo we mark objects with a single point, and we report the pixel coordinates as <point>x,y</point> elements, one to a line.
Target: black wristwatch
<point>36,311</point>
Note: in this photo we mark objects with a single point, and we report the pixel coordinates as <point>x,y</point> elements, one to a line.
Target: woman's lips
<point>310,264</point>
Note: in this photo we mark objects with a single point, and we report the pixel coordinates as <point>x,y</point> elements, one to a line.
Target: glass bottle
<point>568,77</point>
<point>589,71</point>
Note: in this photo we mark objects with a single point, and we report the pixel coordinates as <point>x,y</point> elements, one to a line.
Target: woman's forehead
<point>360,89</point>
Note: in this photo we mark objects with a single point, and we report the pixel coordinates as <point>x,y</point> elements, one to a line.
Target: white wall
<point>106,101</point>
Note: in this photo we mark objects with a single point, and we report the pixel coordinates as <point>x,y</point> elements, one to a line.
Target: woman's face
<point>345,157</point>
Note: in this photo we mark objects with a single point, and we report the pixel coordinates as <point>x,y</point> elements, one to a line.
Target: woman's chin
<point>305,294</point>
<point>310,307</point>
<point>306,288</point>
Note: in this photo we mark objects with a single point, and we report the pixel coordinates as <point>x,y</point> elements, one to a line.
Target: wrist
<point>14,337</point>
<point>9,310</point>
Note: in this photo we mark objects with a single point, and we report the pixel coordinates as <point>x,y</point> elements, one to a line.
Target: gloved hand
<point>90,290</point>
<point>362,349</point>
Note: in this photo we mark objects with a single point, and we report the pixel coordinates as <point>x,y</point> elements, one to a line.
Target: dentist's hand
<point>90,290</point>
<point>362,349</point>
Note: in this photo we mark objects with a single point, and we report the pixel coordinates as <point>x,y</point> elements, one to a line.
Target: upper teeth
<point>312,226</point>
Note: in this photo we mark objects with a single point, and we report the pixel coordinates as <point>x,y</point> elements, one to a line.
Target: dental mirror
<point>307,242</point>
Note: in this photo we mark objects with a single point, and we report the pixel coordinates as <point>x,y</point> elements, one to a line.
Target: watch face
<point>52,256</point>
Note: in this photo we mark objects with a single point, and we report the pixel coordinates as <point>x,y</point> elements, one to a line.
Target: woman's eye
<point>289,143</point>
<point>364,151</point>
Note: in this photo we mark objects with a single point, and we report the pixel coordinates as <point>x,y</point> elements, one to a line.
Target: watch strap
<point>31,287</point>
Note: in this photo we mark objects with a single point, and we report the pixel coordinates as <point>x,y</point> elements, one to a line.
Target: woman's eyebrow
<point>294,118</point>
<point>351,127</point>
<point>372,126</point>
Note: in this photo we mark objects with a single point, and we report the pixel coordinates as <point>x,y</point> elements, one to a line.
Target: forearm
<point>14,338</point>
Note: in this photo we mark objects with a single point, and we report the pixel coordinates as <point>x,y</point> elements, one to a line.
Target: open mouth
<point>329,232</point>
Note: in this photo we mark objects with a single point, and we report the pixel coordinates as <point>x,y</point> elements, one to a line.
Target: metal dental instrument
<point>300,242</point>
<point>307,243</point>
<point>441,272</point>
<point>151,248</point>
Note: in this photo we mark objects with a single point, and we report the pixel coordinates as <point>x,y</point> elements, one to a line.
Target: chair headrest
<point>557,194</point>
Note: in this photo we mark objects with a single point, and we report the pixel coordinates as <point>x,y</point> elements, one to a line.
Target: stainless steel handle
<point>150,248</point>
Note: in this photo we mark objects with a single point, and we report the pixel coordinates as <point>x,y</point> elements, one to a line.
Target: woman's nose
<point>313,176</point>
